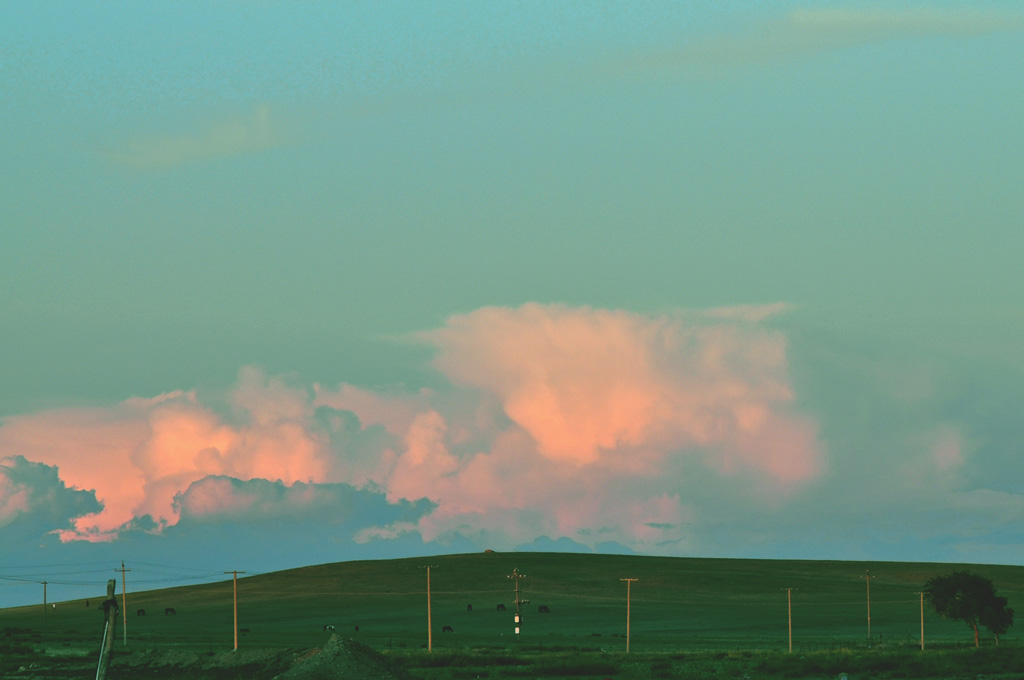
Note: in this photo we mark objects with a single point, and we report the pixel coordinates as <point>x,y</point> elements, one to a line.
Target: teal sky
<point>333,194</point>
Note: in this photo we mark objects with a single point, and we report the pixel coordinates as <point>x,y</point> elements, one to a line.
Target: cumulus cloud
<point>217,499</point>
<point>229,137</point>
<point>34,491</point>
<point>139,454</point>
<point>585,382</point>
<point>559,421</point>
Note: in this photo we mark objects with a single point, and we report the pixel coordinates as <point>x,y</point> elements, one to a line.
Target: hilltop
<point>676,603</point>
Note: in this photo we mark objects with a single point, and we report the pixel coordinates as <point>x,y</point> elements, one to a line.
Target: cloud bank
<point>559,421</point>
<point>33,492</point>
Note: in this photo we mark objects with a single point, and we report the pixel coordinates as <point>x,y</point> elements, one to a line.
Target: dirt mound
<point>342,659</point>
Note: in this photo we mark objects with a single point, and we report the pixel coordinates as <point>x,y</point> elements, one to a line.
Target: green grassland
<point>681,608</point>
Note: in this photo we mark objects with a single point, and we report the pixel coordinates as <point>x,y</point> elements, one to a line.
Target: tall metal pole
<point>235,573</point>
<point>430,627</point>
<point>629,582</point>
<point>44,610</point>
<point>867,577</point>
<point>124,605</point>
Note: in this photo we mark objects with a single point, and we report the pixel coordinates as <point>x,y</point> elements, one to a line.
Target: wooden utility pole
<point>867,579</point>
<point>430,626</point>
<point>921,593</point>
<point>629,582</point>
<point>124,604</point>
<point>789,604</point>
<point>44,610</point>
<point>109,630</point>
<point>515,576</point>
<point>236,573</point>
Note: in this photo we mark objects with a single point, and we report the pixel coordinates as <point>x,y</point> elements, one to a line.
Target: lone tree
<point>967,597</point>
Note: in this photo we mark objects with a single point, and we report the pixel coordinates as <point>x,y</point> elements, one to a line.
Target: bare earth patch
<point>340,659</point>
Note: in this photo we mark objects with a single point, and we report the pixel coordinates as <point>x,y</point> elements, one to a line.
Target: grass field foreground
<point>684,612</point>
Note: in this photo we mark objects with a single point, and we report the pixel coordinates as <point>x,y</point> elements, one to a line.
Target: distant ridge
<point>677,603</point>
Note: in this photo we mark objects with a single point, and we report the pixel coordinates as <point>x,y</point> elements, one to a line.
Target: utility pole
<point>430,627</point>
<point>44,610</point>
<point>789,603</point>
<point>921,593</point>
<point>629,582</point>
<point>867,578</point>
<point>109,629</point>
<point>515,576</point>
<point>236,573</point>
<point>124,606</point>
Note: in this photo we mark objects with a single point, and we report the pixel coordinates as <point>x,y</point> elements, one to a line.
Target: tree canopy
<point>967,597</point>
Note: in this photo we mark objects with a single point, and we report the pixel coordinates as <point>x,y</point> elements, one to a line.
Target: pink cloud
<point>585,383</point>
<point>559,421</point>
<point>138,455</point>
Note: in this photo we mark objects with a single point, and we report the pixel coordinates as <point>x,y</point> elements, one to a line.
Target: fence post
<point>109,630</point>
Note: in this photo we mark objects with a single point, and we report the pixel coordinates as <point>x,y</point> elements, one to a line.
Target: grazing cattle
<point>243,631</point>
<point>170,612</point>
<point>543,609</point>
<point>447,629</point>
<point>469,607</point>
<point>357,629</point>
<point>140,612</point>
<point>501,607</point>
<point>328,627</point>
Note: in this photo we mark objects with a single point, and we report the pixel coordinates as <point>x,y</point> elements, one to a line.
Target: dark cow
<point>170,611</point>
<point>357,629</point>
<point>543,609</point>
<point>328,627</point>
<point>447,629</point>
<point>243,631</point>
<point>469,607</point>
<point>501,607</point>
<point>140,612</point>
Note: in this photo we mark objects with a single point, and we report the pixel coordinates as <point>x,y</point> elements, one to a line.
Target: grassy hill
<point>678,605</point>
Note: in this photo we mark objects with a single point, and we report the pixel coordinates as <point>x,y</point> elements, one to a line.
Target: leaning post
<point>109,630</point>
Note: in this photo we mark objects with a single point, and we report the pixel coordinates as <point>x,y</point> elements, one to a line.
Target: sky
<point>292,283</point>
